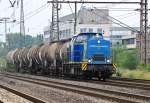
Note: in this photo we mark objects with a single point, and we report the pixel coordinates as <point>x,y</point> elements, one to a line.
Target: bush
<point>144,67</point>
<point>135,74</point>
<point>125,58</point>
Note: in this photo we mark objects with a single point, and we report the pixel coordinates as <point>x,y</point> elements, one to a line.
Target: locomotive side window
<point>81,38</point>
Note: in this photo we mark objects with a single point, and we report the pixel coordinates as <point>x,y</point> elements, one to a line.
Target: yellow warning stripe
<point>84,66</point>
<point>114,66</point>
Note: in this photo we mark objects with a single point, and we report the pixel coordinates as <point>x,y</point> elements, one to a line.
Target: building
<point>124,36</point>
<point>46,36</point>
<point>88,20</point>
<point>93,20</point>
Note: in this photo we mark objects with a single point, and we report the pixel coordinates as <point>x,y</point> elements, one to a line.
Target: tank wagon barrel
<point>32,56</point>
<point>9,56</point>
<point>23,58</point>
<point>42,54</point>
<point>16,57</point>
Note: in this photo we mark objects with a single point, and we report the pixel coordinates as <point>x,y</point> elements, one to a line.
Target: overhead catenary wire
<point>70,8</point>
<point>33,13</point>
<point>127,15</point>
<point>119,22</point>
<point>122,15</point>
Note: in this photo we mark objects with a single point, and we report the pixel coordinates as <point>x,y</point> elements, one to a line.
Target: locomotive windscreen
<point>98,57</point>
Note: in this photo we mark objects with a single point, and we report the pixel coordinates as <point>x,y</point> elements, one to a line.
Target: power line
<point>118,22</point>
<point>126,16</point>
<point>131,13</point>
<point>70,8</point>
<point>95,2</point>
<point>35,12</point>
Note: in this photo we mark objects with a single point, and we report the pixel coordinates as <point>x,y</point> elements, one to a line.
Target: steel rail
<point>23,95</point>
<point>125,84</point>
<point>52,84</point>
<point>130,80</point>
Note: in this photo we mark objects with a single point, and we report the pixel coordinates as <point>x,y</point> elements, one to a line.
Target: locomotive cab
<point>91,56</point>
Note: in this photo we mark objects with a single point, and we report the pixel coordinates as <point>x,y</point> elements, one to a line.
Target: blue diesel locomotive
<point>90,56</point>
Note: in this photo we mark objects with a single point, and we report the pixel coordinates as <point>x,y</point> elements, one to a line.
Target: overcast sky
<point>38,14</point>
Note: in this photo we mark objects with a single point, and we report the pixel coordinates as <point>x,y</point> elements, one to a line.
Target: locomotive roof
<point>89,34</point>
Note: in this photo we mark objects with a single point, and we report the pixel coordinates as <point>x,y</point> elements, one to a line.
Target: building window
<point>90,30</point>
<point>99,30</point>
<point>83,30</point>
<point>60,34</point>
<point>98,18</point>
<point>132,41</point>
<point>129,41</point>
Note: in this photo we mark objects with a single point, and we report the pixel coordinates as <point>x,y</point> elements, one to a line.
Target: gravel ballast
<point>88,84</point>
<point>8,97</point>
<point>51,95</point>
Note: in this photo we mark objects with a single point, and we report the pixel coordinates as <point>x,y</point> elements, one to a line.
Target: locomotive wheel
<point>102,76</point>
<point>86,75</point>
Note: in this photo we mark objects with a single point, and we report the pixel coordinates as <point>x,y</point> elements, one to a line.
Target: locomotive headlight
<point>89,61</point>
<point>108,61</point>
<point>98,41</point>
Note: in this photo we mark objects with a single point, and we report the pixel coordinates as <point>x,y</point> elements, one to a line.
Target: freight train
<point>85,55</point>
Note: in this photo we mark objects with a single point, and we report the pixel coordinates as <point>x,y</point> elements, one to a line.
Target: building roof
<point>88,16</point>
<point>67,17</point>
<point>123,28</point>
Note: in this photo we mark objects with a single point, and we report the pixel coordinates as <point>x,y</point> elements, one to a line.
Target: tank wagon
<point>86,55</point>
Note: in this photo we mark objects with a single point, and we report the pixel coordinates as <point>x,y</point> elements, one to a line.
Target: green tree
<point>17,41</point>
<point>38,39</point>
<point>28,41</point>
<point>3,50</point>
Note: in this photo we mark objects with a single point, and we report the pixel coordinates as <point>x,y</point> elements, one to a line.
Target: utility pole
<point>75,18</point>
<point>54,34</point>
<point>22,26</point>
<point>143,37</point>
<point>7,36</point>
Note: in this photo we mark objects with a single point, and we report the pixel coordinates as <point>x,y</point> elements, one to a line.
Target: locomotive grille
<point>98,57</point>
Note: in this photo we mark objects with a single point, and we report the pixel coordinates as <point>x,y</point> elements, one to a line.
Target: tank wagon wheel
<point>18,70</point>
<point>32,71</point>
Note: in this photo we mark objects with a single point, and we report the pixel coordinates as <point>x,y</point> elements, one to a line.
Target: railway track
<point>126,84</point>
<point>114,81</point>
<point>131,80</point>
<point>121,97</point>
<point>23,95</point>
<point>120,82</point>
<point>1,102</point>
